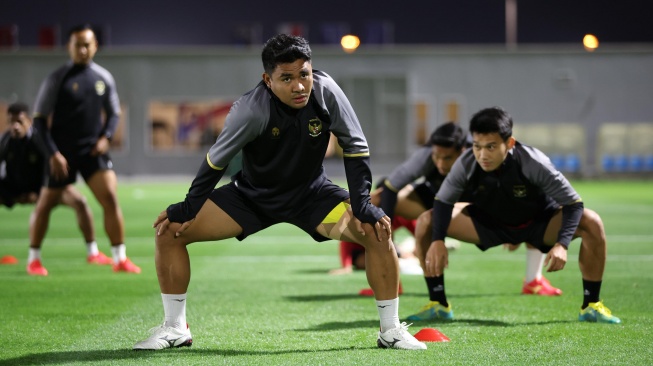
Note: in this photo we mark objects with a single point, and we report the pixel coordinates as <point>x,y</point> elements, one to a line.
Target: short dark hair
<point>449,134</point>
<point>282,49</point>
<point>492,120</point>
<point>79,28</point>
<point>18,108</point>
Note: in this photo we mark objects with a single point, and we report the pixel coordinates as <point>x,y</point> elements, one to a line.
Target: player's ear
<point>511,142</point>
<point>266,79</point>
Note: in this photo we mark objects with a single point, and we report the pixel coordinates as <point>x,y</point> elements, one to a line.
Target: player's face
<point>20,124</point>
<point>82,47</point>
<point>490,150</point>
<point>444,157</point>
<point>292,83</point>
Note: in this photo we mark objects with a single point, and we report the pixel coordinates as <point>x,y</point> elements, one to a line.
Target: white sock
<point>174,308</point>
<point>388,313</point>
<point>119,253</point>
<point>534,264</point>
<point>91,248</point>
<point>34,254</point>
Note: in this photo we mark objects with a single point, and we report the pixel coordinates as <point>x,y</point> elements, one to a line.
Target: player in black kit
<point>401,193</point>
<point>516,196</point>
<point>283,128</point>
<point>22,162</point>
<point>74,96</point>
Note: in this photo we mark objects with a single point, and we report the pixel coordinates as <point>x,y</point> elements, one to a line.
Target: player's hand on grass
<point>58,166</point>
<point>556,258</point>
<point>436,260</point>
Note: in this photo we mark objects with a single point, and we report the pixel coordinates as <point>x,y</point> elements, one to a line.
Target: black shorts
<point>252,218</point>
<point>9,191</point>
<point>493,233</point>
<point>86,165</point>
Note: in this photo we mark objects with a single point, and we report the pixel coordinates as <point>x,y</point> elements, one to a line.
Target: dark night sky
<point>205,22</point>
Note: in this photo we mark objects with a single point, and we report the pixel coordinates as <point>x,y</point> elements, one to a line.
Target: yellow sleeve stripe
<point>208,160</point>
<point>390,186</point>
<point>356,155</point>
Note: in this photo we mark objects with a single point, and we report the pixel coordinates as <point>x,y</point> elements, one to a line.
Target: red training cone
<point>8,259</point>
<point>431,335</point>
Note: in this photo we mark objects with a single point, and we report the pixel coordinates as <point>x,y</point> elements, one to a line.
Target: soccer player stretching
<point>517,196</point>
<point>23,164</point>
<point>283,127</point>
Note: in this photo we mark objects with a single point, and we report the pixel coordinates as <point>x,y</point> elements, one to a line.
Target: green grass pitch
<point>268,300</point>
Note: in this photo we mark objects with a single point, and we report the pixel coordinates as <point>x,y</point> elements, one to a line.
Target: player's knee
<point>591,222</point>
<point>166,240</point>
<point>425,217</point>
<point>109,202</point>
<point>79,203</point>
<point>423,222</point>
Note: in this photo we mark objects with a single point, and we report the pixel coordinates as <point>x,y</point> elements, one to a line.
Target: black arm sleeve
<point>4,141</point>
<point>110,126</point>
<point>47,143</point>
<point>359,180</point>
<point>388,200</point>
<point>571,215</point>
<point>441,218</point>
<point>199,191</point>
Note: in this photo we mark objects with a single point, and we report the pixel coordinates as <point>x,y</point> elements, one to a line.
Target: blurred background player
<point>517,196</point>
<point>78,140</point>
<point>404,200</point>
<point>22,172</point>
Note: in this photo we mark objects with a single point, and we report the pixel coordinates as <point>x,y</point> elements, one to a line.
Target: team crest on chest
<point>276,133</point>
<point>314,127</point>
<point>75,87</point>
<point>519,191</point>
<point>100,87</point>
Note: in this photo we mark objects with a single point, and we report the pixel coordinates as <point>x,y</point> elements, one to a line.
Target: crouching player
<point>517,196</point>
<point>22,177</point>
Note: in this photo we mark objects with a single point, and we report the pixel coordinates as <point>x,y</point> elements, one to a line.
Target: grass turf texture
<point>268,300</point>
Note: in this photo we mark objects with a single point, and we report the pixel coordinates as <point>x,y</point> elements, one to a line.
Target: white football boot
<point>165,337</point>
<point>399,338</point>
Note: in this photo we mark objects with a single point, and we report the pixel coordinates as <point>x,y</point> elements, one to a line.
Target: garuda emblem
<point>315,127</point>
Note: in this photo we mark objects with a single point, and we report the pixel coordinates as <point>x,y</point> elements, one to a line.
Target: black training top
<point>24,163</point>
<point>76,95</point>
<point>283,151</point>
<point>523,187</point>
<point>419,165</point>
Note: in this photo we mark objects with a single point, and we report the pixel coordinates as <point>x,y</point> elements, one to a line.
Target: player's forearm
<point>440,219</point>
<point>202,186</point>
<point>359,180</point>
<point>571,215</point>
<point>110,126</point>
<point>44,136</point>
<point>388,199</point>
